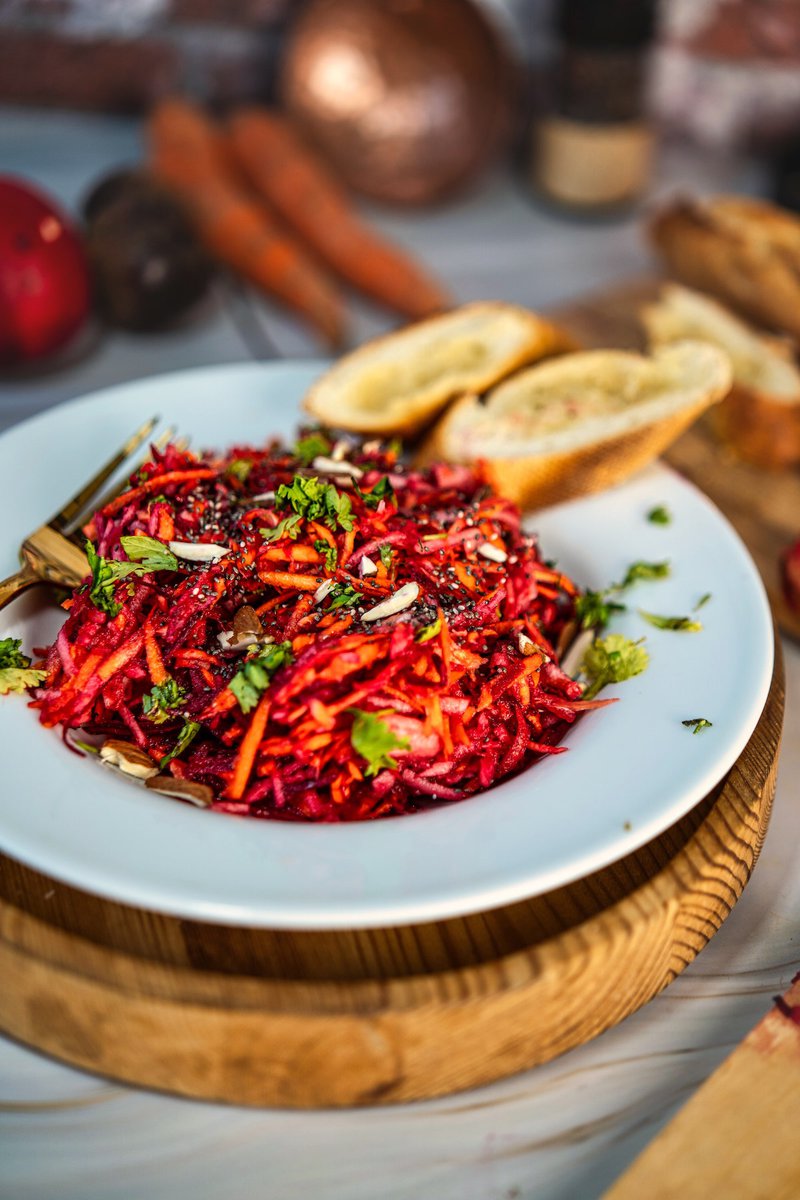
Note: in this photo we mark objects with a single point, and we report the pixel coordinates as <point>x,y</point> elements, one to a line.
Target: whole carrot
<point>187,153</point>
<point>302,191</point>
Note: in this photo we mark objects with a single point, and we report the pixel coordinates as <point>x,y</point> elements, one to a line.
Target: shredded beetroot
<point>321,714</point>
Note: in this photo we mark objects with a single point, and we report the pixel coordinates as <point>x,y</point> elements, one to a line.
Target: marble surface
<point>560,1132</point>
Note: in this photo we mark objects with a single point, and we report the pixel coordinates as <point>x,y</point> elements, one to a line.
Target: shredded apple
<point>316,634</point>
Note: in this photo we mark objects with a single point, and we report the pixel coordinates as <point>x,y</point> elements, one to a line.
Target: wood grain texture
<point>737,1136</point>
<point>762,505</point>
<point>324,1019</point>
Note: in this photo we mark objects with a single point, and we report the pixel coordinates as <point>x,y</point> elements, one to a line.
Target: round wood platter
<point>362,1017</point>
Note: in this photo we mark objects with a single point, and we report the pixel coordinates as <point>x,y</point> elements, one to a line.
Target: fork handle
<point>16,584</point>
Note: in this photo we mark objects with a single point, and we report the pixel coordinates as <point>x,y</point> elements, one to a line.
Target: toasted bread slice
<point>396,384</point>
<point>582,422</point>
<point>745,252</point>
<point>760,417</point>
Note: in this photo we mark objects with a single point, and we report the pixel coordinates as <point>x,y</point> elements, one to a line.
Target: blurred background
<point>504,148</point>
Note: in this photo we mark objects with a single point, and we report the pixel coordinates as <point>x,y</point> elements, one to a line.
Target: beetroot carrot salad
<point>316,634</point>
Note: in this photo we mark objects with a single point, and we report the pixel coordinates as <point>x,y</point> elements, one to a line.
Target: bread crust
<point>745,252</point>
<point>758,429</point>
<point>537,480</point>
<point>543,339</point>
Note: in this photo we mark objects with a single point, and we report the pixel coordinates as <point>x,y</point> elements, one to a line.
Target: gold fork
<point>53,553</point>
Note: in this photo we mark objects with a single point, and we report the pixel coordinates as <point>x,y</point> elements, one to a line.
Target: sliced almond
<point>339,451</point>
<point>367,566</point>
<point>127,757</point>
<point>199,551</point>
<point>266,497</point>
<point>527,645</point>
<point>493,553</point>
<point>246,622</point>
<point>324,589</point>
<point>199,794</point>
<point>332,466</point>
<point>403,598</point>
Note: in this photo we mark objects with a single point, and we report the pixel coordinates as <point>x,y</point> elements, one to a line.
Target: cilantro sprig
<point>372,738</point>
<point>595,609</point>
<point>677,624</point>
<point>382,490</point>
<point>188,733</point>
<point>162,699</point>
<point>146,554</point>
<point>343,596</point>
<point>328,552</point>
<point>696,724</point>
<point>314,500</point>
<point>252,680</point>
<point>314,445</point>
<point>16,674</point>
<point>612,659</point>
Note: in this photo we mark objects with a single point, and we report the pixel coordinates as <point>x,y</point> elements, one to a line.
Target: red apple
<point>44,277</point>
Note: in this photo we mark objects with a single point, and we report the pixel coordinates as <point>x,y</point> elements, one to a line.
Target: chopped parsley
<point>342,596</point>
<point>314,445</point>
<point>612,659</point>
<point>288,527</point>
<point>188,733</point>
<point>594,611</point>
<point>429,631</point>
<point>150,552</point>
<point>372,738</point>
<point>643,572</point>
<point>660,515</point>
<point>382,490</point>
<point>697,723</point>
<point>240,468</point>
<point>255,676</point>
<point>678,624</point>
<point>703,600</point>
<point>163,697</point>
<point>316,501</point>
<point>328,552</point>
<point>16,674</point>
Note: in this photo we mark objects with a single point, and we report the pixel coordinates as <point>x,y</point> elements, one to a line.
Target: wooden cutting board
<point>376,1016</point>
<point>763,506</point>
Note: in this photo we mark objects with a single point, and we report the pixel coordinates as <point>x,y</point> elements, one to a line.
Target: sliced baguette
<point>760,417</point>
<point>397,384</point>
<point>582,422</point>
<point>745,252</point>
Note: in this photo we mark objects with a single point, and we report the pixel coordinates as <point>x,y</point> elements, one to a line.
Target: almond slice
<point>367,566</point>
<point>198,794</point>
<point>128,758</point>
<point>324,589</point>
<point>199,551</point>
<point>493,553</point>
<point>403,598</point>
<point>332,466</point>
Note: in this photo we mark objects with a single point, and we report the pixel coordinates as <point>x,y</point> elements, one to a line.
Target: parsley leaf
<point>288,527</point>
<point>594,611</point>
<point>703,600</point>
<point>186,736</point>
<point>240,468</point>
<point>105,577</point>
<point>328,552</point>
<point>429,631</point>
<point>698,723</point>
<point>679,624</point>
<point>311,447</point>
<point>150,552</point>
<point>16,674</point>
<point>316,501</point>
<point>342,596</point>
<point>161,699</point>
<point>373,740</point>
<point>382,490</point>
<point>659,515</point>
<point>386,553</point>
<point>249,683</point>
<point>642,571</point>
<point>612,660</point>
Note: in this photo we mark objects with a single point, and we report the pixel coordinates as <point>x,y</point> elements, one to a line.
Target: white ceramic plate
<point>632,768</point>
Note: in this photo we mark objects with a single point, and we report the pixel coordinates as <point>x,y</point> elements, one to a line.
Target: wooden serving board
<point>763,506</point>
<point>376,1016</point>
